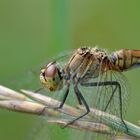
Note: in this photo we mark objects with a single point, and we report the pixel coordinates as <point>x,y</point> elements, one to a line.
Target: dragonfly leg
<point>64,98</point>
<point>78,98</point>
<point>62,103</point>
<point>39,89</point>
<point>107,83</point>
<point>111,98</point>
<point>120,96</point>
<point>84,102</point>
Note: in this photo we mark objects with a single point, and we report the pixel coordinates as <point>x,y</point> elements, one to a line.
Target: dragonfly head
<point>51,77</point>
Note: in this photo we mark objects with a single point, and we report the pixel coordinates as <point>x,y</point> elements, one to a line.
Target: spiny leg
<point>64,98</point>
<point>120,96</point>
<point>108,83</point>
<point>78,98</point>
<point>62,103</point>
<point>110,98</point>
<point>78,93</point>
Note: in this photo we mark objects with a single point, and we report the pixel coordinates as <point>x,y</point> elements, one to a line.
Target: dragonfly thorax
<point>51,77</point>
<point>87,62</point>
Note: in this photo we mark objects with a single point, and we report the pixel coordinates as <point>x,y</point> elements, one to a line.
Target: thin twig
<point>35,103</point>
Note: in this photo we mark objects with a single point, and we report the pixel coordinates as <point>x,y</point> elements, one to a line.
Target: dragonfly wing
<point>106,96</point>
<point>96,97</point>
<point>30,78</point>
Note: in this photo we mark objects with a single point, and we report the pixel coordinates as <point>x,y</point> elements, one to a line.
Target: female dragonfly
<point>97,71</point>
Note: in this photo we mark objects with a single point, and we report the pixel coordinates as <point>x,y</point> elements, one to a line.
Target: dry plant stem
<point>34,103</point>
<point>90,126</point>
<point>11,94</point>
<point>107,119</point>
<point>52,103</point>
<point>26,107</point>
<point>114,122</point>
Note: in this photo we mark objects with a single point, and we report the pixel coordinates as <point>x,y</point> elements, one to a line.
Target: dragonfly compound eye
<point>51,78</point>
<point>51,71</point>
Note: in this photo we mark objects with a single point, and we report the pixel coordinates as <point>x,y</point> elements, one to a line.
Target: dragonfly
<point>96,71</point>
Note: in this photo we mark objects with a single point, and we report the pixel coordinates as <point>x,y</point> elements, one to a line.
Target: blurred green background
<point>31,31</point>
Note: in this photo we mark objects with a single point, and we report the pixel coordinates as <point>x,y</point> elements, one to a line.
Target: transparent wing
<point>30,79</point>
<point>111,94</point>
<point>43,130</point>
<point>96,96</point>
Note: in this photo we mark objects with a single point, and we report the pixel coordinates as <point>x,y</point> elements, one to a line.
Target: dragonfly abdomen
<point>125,59</point>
